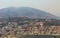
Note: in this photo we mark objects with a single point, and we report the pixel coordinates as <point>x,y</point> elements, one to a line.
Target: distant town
<point>17,27</point>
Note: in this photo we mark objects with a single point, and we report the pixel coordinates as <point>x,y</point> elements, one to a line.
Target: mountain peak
<point>25,11</point>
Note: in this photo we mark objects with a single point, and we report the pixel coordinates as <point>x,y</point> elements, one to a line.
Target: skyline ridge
<point>25,11</point>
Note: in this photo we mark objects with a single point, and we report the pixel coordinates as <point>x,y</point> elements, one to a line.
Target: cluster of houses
<point>17,29</point>
<point>39,28</point>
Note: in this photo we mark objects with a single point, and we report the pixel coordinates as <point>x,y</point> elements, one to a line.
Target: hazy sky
<point>52,6</point>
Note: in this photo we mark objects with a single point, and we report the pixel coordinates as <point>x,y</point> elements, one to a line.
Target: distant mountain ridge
<point>25,11</point>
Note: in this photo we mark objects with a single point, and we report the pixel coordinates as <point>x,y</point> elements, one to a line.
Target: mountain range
<point>25,11</point>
